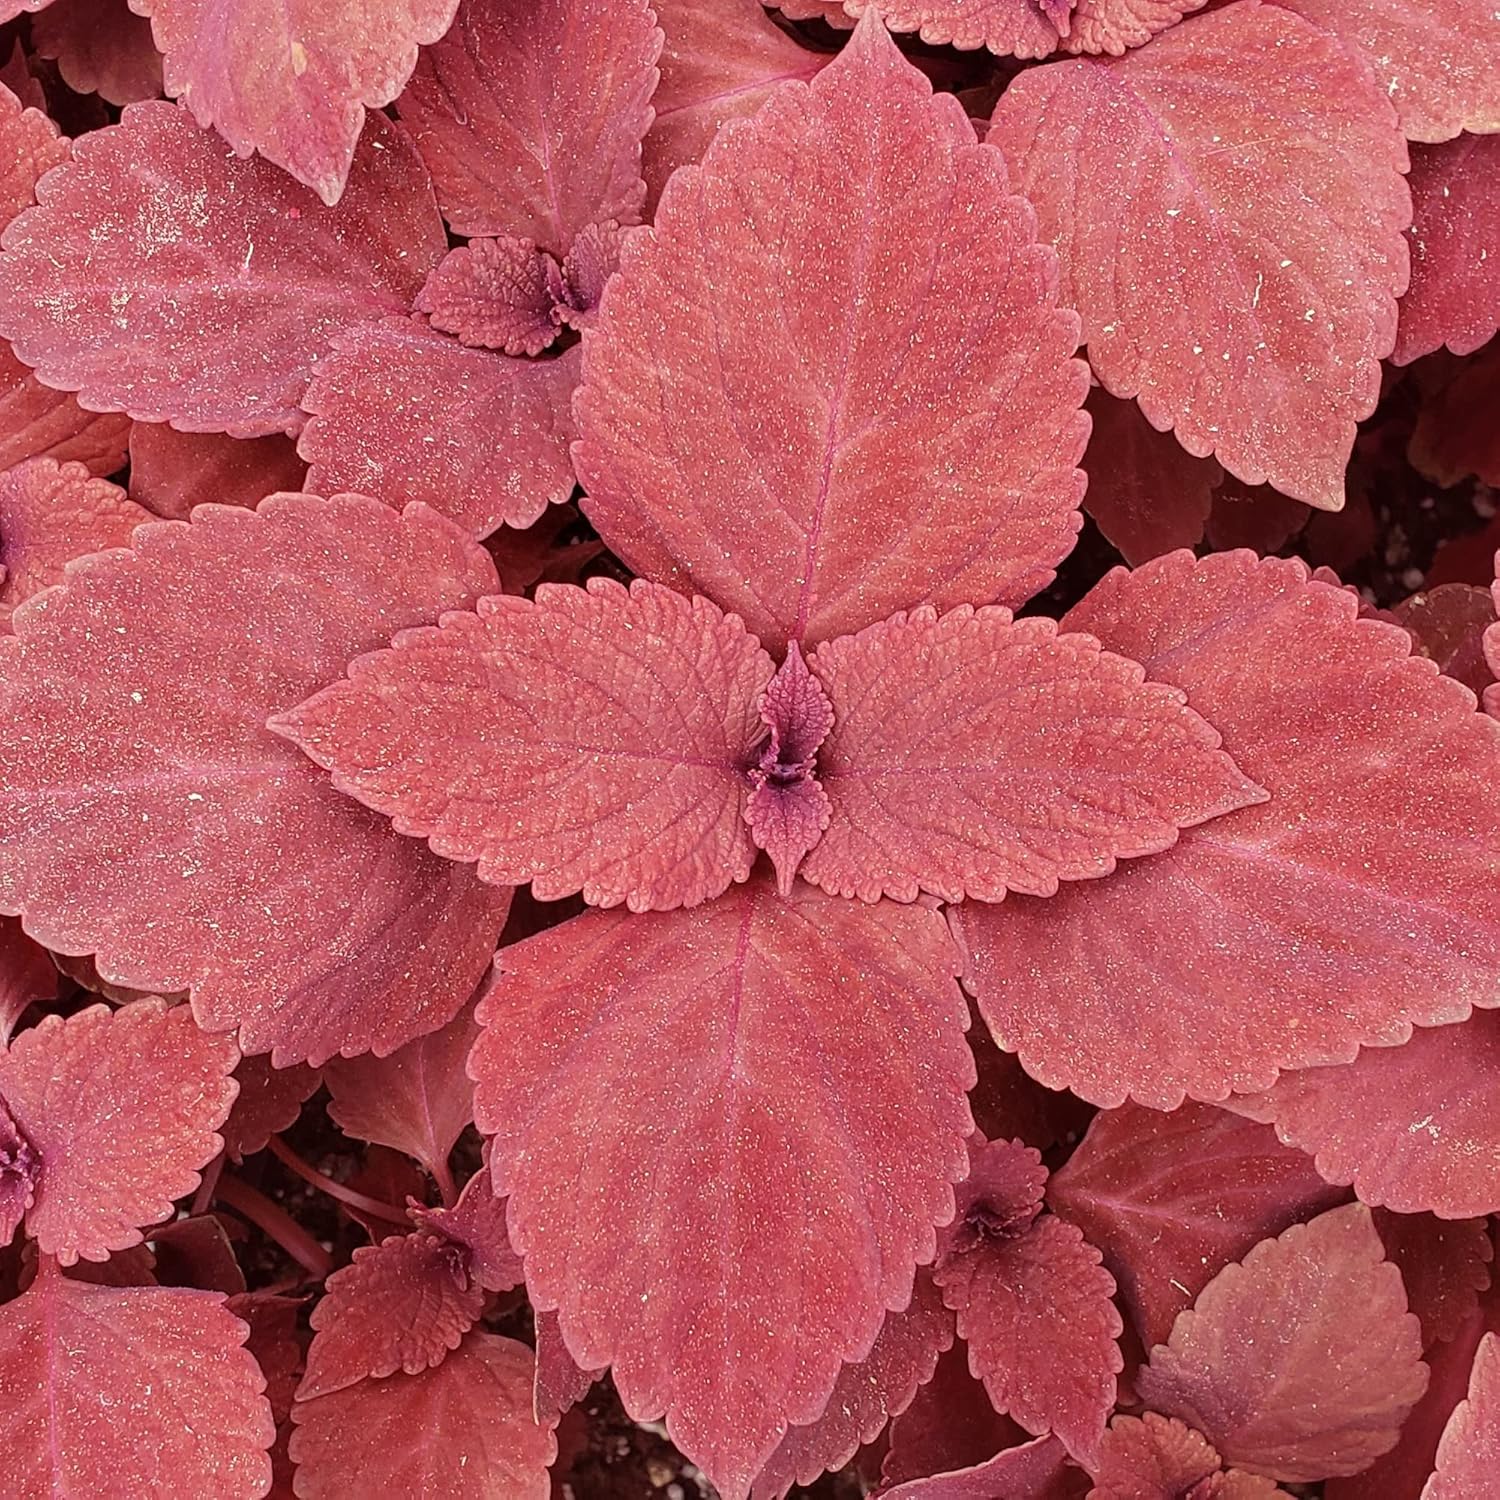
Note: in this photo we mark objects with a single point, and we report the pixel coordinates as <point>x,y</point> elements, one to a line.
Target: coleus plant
<point>1205,839</point>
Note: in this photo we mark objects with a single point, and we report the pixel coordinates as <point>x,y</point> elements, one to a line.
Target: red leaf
<point>1172,1198</point>
<point>1114,25</point>
<point>560,1384</point>
<point>1456,435</point>
<point>1099,766</point>
<point>1300,1362</point>
<point>100,48</point>
<point>867,1395</point>
<point>951,1424</point>
<point>171,471</point>
<point>204,290</point>
<point>477,1224</point>
<point>1035,1308</point>
<point>1437,60</point>
<point>1146,492</point>
<point>1010,28</point>
<point>592,740</point>
<point>143,797</point>
<point>486,445</point>
<point>493,294</point>
<point>1454,297</point>
<point>71,1083</point>
<point>1158,1458</point>
<point>51,513</point>
<point>1444,1267</point>
<point>37,422</point>
<point>1255,321</point>
<point>754,407</point>
<point>1260,519</point>
<point>16,73</point>
<point>720,61</point>
<point>270,1101</point>
<point>197,1252</point>
<point>1008,1104</point>
<point>20,1171</point>
<point>29,146</point>
<point>1037,1470</point>
<point>403,1304</point>
<point>1468,1457</point>
<point>1351,904</point>
<point>418,1100</point>
<point>292,80</point>
<point>530,113</point>
<point>999,1199</point>
<point>27,975</point>
<point>459,1430</point>
<point>810,1055</point>
<point>1447,625</point>
<point>1412,1127</point>
<point>167,1402</point>
<point>273,1341</point>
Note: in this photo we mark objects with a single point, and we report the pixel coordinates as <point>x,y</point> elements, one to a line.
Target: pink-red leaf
<point>292,79</point>
<point>1035,1309</point>
<point>171,471</point>
<point>810,1055</point>
<point>1112,26</point>
<point>1038,1470</point>
<point>133,1391</point>
<point>530,113</point>
<point>815,424</point>
<point>27,974</point>
<point>147,815</point>
<point>1250,322</point>
<point>1437,60</point>
<point>460,1430</point>
<point>867,1396</point>
<point>593,740</point>
<point>1010,28</point>
<point>29,146</point>
<point>1455,435</point>
<point>403,1304</point>
<point>37,422</point>
<point>973,755</point>
<point>100,47</point>
<point>1146,492</point>
<point>1301,1361</point>
<point>560,1383</point>
<point>1444,1267</point>
<point>122,1109</point>
<point>1172,1198</point>
<point>1412,1127</point>
<point>1354,902</point>
<point>1468,1457</point>
<point>720,60</point>
<point>486,444</point>
<point>51,513</point>
<point>1152,1457</point>
<point>162,277</point>
<point>1448,625</point>
<point>269,1101</point>
<point>1454,297</point>
<point>476,1224</point>
<point>417,1100</point>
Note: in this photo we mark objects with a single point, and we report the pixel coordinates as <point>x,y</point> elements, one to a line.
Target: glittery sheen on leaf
<point>791,1076</point>
<point>1152,1457</point>
<point>476,1224</point>
<point>1454,297</point>
<point>1353,903</point>
<point>143,796</point>
<point>162,277</point>
<point>459,1430</point>
<point>1010,28</point>
<point>719,61</point>
<point>167,1402</point>
<point>793,402</point>
<point>29,145</point>
<point>38,422</point>
<point>122,1108</point>
<point>1113,26</point>
<point>973,754</point>
<point>404,412</point>
<point>1300,1362</point>
<point>1468,1456</point>
<point>292,79</point>
<point>530,113</point>
<point>867,1395</point>
<point>269,1101</point>
<point>492,294</point>
<point>1038,1470</point>
<point>1411,1127</point>
<point>1251,321</point>
<point>51,513</point>
<point>403,1304</point>
<point>594,740</point>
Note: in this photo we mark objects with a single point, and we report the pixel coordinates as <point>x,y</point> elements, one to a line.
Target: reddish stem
<point>443,1175</point>
<point>205,1193</point>
<point>346,1195</point>
<point>276,1224</point>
